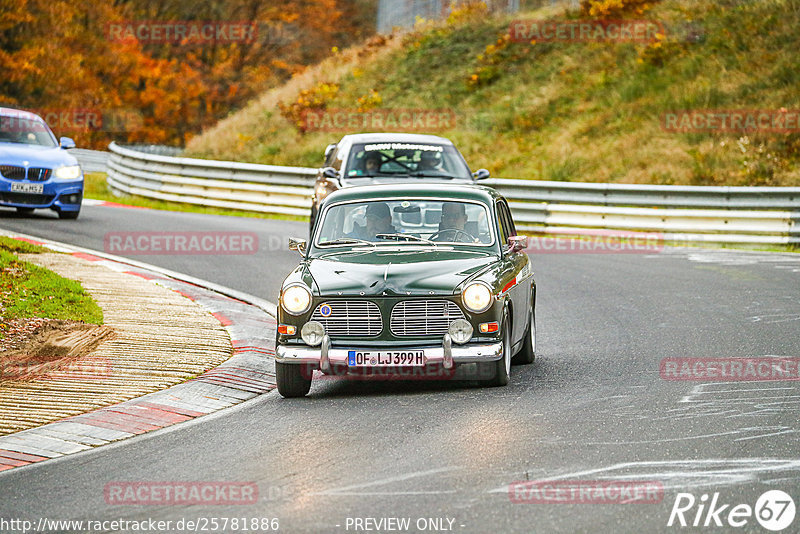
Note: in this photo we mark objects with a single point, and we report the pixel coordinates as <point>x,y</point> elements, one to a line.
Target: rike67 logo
<point>774,510</point>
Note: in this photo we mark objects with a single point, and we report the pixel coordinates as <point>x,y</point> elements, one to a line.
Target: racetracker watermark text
<point>431,371</point>
<point>584,31</point>
<point>586,492</point>
<point>180,243</point>
<point>87,368</point>
<point>597,242</point>
<point>72,120</point>
<point>181,493</point>
<point>408,120</point>
<point>182,31</point>
<point>781,120</point>
<point>730,369</point>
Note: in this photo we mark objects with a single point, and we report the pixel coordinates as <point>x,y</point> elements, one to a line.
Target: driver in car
<point>429,161</point>
<point>454,220</point>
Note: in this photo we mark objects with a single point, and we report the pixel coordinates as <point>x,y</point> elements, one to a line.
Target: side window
<point>336,156</point>
<point>509,221</point>
<point>502,223</point>
<point>329,157</point>
<point>335,159</point>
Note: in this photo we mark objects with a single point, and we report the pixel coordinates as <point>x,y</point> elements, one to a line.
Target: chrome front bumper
<point>447,353</point>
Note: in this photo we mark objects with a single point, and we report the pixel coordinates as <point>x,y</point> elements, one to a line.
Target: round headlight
<point>477,297</point>
<point>460,331</point>
<point>312,333</point>
<point>296,299</point>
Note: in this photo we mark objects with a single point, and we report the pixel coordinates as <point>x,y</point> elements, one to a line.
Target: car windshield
<point>24,130</point>
<point>393,222</point>
<point>406,159</point>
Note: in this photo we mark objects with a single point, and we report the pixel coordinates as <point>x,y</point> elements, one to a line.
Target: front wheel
<point>499,370</point>
<point>290,379</point>
<point>69,214</point>
<point>528,351</point>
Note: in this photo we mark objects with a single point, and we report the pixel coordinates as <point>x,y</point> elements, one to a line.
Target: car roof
<point>390,137</point>
<point>451,191</point>
<point>19,113</point>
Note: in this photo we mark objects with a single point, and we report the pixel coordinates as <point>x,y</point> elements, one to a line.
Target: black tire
<point>527,354</point>
<point>24,211</point>
<point>290,379</point>
<point>69,214</point>
<point>499,370</point>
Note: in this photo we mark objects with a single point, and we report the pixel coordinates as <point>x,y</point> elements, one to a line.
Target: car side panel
<point>520,297</point>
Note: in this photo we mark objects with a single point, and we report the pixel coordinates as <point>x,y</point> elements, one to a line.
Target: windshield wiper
<point>347,241</point>
<point>421,174</point>
<point>406,237</point>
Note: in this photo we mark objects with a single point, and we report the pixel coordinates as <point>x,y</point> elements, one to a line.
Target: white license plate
<point>27,188</point>
<point>385,358</point>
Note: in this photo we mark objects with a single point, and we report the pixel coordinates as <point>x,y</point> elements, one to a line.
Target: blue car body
<point>36,171</point>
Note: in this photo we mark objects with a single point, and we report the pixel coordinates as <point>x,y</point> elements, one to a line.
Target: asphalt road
<point>592,407</point>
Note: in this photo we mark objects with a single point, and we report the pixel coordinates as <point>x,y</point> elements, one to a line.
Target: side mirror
<point>330,173</point>
<point>66,143</point>
<point>295,243</point>
<point>480,174</point>
<point>517,243</point>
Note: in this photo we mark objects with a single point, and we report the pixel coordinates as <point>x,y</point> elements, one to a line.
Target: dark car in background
<point>36,172</point>
<point>378,158</point>
<point>412,281</point>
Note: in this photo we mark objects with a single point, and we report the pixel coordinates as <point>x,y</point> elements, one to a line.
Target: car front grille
<point>12,172</point>
<point>424,317</point>
<point>35,174</point>
<point>26,198</point>
<point>350,318</point>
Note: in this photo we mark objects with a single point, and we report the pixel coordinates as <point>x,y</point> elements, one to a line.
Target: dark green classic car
<point>408,281</point>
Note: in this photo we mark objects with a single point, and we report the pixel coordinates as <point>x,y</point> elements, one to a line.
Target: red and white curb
<point>108,204</point>
<point>248,373</point>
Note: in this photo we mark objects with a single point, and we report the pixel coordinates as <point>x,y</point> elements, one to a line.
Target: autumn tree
<point>59,55</point>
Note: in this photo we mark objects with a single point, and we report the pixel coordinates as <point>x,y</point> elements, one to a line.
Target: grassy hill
<point>560,111</point>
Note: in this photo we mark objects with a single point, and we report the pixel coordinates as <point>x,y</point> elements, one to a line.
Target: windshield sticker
<point>402,146</point>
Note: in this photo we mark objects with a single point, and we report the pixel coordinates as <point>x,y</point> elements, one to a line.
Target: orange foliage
<point>59,57</point>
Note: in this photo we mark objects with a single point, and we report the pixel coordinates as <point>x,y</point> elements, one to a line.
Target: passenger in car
<point>378,221</point>
<point>372,163</point>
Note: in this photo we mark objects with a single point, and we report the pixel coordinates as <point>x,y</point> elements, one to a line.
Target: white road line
<point>399,478</point>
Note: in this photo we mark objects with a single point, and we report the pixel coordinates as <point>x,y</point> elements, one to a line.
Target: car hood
<point>36,156</point>
<point>406,271</point>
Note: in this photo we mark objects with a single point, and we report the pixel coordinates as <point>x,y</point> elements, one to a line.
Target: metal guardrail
<point>765,215</point>
<point>90,160</point>
<point>756,215</point>
<point>222,184</point>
